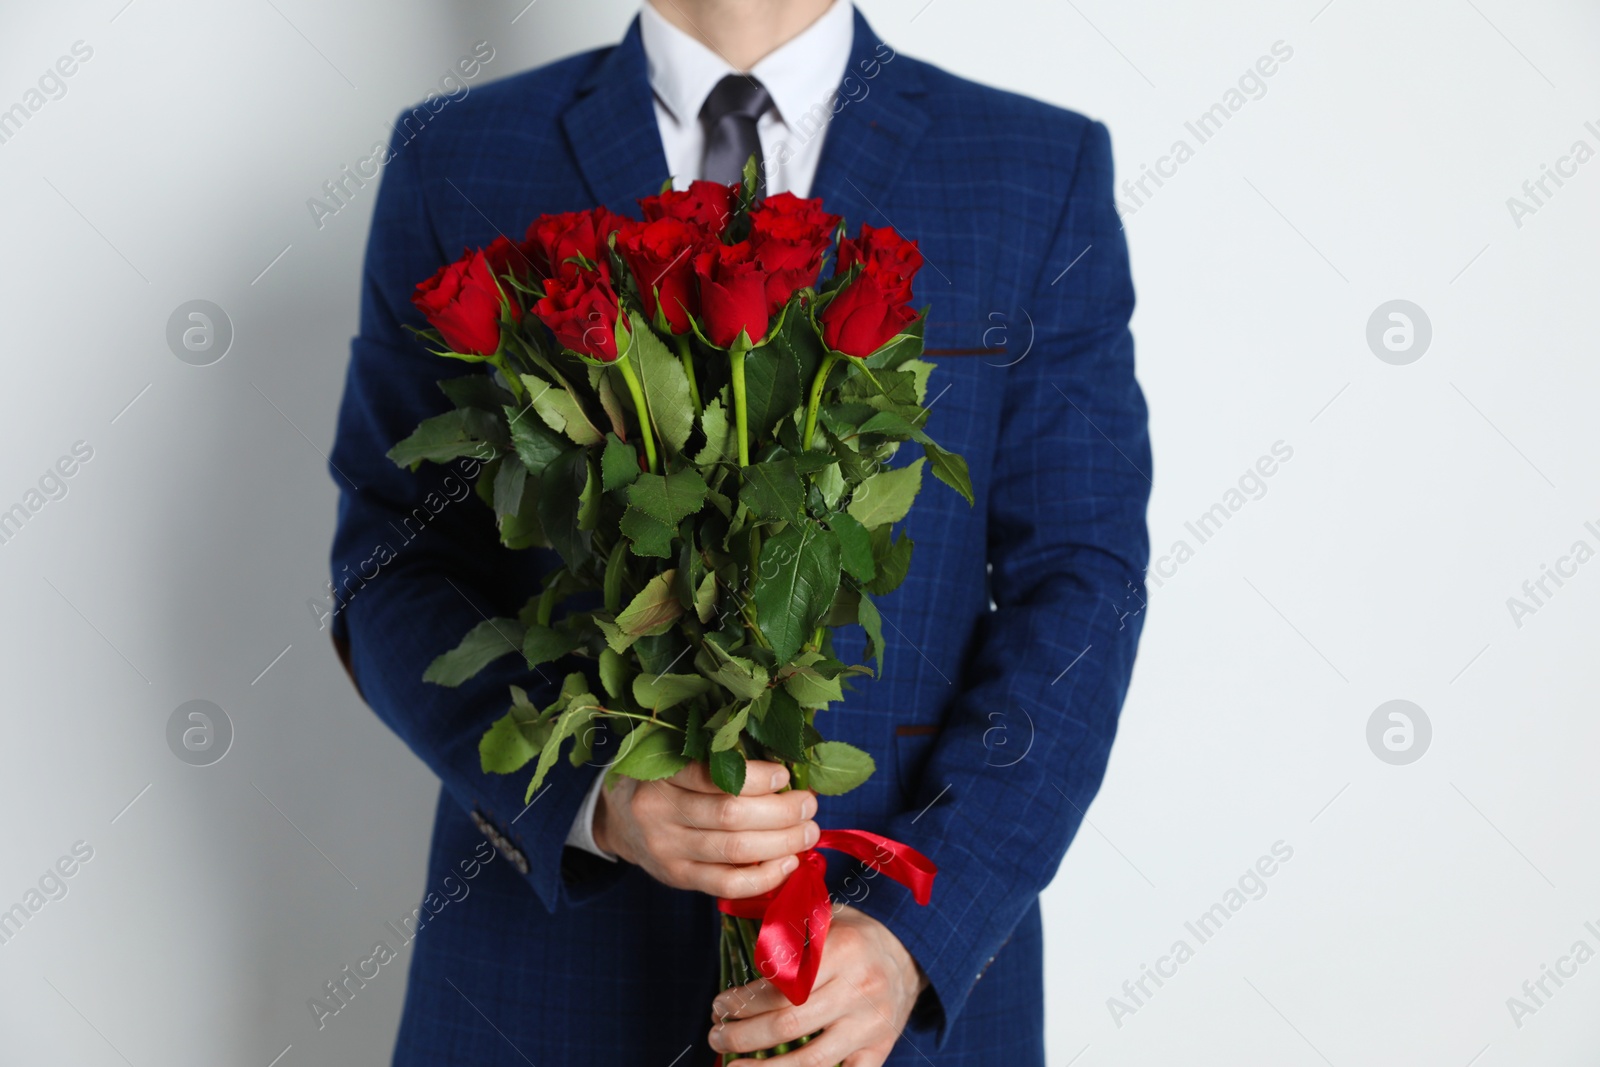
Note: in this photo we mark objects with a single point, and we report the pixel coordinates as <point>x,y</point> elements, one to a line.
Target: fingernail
<point>777,780</point>
<point>813,832</point>
<point>808,807</point>
<point>789,864</point>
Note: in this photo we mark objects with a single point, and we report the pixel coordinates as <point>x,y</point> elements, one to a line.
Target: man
<point>1010,644</point>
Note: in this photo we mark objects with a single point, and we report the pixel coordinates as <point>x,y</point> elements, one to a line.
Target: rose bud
<point>862,318</point>
<point>580,308</point>
<point>661,256</point>
<point>733,294</point>
<point>463,302</point>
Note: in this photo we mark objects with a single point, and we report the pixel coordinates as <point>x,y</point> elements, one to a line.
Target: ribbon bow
<point>795,917</point>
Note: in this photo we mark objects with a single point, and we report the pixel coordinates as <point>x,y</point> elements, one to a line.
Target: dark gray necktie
<point>729,119</point>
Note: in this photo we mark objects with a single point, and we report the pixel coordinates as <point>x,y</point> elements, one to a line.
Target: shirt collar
<point>800,74</point>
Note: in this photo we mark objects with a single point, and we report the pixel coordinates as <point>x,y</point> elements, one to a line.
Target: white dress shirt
<point>803,78</point>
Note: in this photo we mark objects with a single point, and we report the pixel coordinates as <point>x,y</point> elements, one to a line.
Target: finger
<point>771,812</point>
<point>747,1001</point>
<point>865,1058</point>
<point>762,776</point>
<point>695,778</point>
<point>735,883</point>
<point>752,846</point>
<point>832,1047</point>
<point>786,1022</point>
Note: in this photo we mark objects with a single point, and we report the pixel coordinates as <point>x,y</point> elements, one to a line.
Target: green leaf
<point>812,690</point>
<point>656,504</point>
<point>830,483</point>
<point>601,381</point>
<point>560,495</point>
<point>705,598</point>
<point>872,623</point>
<point>728,734</point>
<point>648,535</point>
<point>885,497</point>
<point>619,465</point>
<point>855,546</point>
<point>720,444</point>
<point>580,711</point>
<point>614,672</point>
<point>484,643</point>
<point>666,390</point>
<point>892,561</point>
<point>462,432</point>
<point>545,645</point>
<point>475,391</point>
<point>535,443</point>
<point>891,424</point>
<point>744,678</point>
<point>505,748</point>
<point>780,729</point>
<point>813,461</point>
<point>611,584</point>
<point>949,468</point>
<point>662,691</point>
<point>843,419</point>
<point>509,481</point>
<point>616,640</point>
<point>561,411</point>
<point>589,499</point>
<point>649,752</point>
<point>884,389</point>
<point>696,742</point>
<point>798,574</point>
<point>523,529</point>
<point>835,767</point>
<point>727,771</point>
<point>919,369</point>
<point>773,490</point>
<point>654,610</point>
<point>772,388</point>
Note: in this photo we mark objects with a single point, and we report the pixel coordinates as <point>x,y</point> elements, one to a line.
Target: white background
<point>1377,566</point>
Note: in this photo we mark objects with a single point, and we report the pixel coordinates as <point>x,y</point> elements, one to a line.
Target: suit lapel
<point>871,138</point>
<point>612,128</point>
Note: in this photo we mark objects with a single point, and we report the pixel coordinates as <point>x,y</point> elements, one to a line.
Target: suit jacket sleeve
<point>1068,548</point>
<point>417,564</point>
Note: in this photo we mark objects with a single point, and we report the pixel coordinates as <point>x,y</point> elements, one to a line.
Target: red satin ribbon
<point>795,917</point>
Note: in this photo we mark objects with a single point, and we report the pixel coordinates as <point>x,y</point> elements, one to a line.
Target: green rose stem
<point>686,357</point>
<point>736,354</point>
<point>499,362</point>
<point>815,399</point>
<point>637,392</point>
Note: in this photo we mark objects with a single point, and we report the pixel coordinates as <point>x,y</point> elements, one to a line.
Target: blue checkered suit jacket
<point>1009,646</point>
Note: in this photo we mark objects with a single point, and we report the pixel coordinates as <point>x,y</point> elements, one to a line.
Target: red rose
<point>462,301</point>
<point>862,318</point>
<point>891,259</point>
<point>505,257</point>
<point>790,237</point>
<point>788,216</point>
<point>733,294</point>
<point>581,310</point>
<point>707,205</point>
<point>553,239</point>
<point>661,256</point>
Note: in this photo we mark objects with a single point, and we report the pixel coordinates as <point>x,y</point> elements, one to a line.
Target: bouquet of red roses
<point>700,427</point>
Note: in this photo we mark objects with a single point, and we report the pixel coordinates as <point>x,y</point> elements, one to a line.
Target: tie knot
<point>737,95</point>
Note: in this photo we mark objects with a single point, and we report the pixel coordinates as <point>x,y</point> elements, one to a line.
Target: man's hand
<point>866,987</point>
<point>687,833</point>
